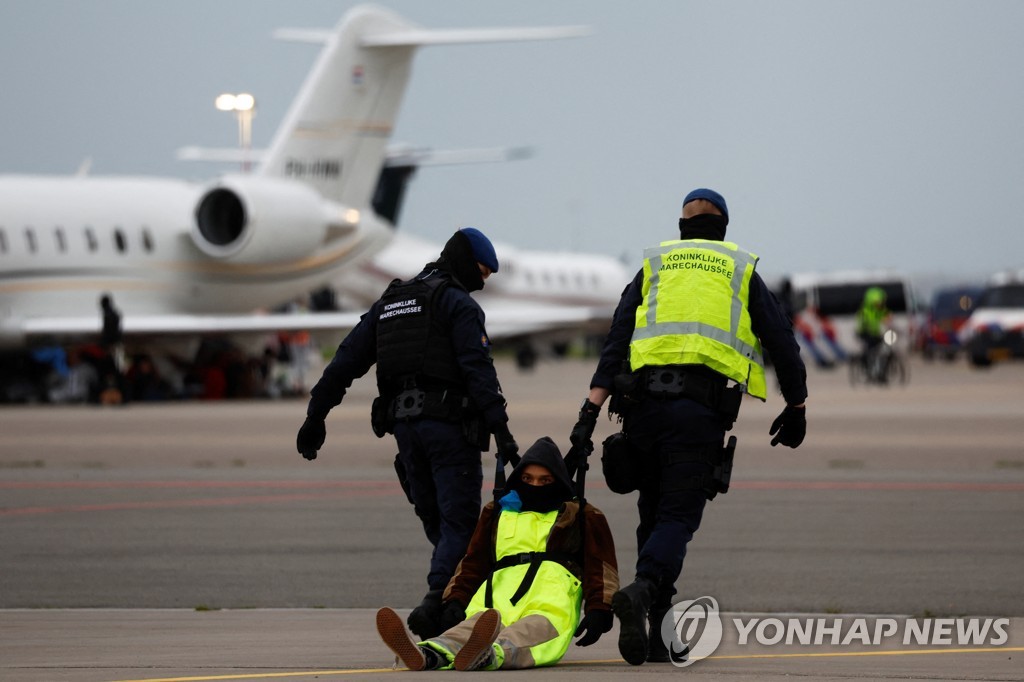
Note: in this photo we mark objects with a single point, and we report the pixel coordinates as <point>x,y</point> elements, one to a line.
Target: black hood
<point>458,260</point>
<point>545,453</point>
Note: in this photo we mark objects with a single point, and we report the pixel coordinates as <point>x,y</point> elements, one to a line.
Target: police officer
<point>439,396</point>
<point>683,347</point>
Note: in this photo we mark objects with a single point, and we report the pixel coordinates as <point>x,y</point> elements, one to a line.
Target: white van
<point>825,309</point>
<point>995,330</point>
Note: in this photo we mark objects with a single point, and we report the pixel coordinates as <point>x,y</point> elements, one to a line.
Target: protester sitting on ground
<point>531,562</point>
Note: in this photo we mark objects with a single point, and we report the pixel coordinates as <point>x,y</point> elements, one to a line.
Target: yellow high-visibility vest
<point>695,311</point>
<point>556,594</point>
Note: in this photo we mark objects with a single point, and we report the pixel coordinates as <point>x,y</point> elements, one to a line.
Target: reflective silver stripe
<point>700,329</point>
<point>652,295</point>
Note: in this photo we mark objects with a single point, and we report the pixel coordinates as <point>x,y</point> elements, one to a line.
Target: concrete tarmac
<point>189,540</point>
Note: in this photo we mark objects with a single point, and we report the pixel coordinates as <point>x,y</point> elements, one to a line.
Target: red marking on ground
<point>376,489</point>
<point>879,485</point>
<point>194,484</point>
<point>347,489</point>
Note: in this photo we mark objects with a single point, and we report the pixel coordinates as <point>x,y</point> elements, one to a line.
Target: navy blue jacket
<point>767,320</point>
<point>358,353</point>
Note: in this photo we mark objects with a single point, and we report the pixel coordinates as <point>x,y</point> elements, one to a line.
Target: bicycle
<point>882,364</point>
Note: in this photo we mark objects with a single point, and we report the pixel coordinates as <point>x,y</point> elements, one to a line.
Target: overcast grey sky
<point>843,134</point>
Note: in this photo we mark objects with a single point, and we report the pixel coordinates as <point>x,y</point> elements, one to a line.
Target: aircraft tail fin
<point>335,135</point>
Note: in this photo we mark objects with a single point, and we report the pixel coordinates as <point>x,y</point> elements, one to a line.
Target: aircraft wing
<point>505,320</point>
<point>38,328</point>
<point>510,320</point>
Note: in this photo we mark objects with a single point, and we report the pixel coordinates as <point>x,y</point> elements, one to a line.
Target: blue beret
<point>709,195</point>
<point>483,250</point>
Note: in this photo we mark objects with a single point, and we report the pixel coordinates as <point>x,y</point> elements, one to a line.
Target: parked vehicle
<point>995,330</point>
<point>826,304</point>
<point>939,332</point>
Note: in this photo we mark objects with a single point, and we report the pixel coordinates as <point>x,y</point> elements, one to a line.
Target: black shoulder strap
<point>534,559</point>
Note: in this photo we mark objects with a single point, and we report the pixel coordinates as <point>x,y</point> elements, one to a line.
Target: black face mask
<point>540,498</point>
<point>703,226</point>
<point>457,258</point>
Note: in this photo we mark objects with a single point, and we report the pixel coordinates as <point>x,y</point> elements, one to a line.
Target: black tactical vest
<point>413,345</point>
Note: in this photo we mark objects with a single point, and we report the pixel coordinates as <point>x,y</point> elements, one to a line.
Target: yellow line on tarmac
<point>264,676</point>
<point>363,671</point>
<point>905,652</point>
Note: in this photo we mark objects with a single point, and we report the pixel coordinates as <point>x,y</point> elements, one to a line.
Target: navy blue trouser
<point>668,518</point>
<point>445,477</point>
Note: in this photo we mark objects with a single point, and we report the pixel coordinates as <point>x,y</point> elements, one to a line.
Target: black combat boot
<point>425,619</point>
<point>657,652</point>
<point>631,604</point>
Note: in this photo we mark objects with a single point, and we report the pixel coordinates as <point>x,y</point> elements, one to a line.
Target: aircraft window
<point>90,239</point>
<point>30,239</point>
<point>58,235</point>
<point>594,280</point>
<point>147,240</point>
<point>3,241</point>
<point>563,280</point>
<point>579,280</point>
<point>119,241</point>
<point>547,278</point>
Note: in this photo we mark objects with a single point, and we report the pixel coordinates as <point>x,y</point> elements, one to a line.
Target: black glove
<point>425,619</point>
<point>595,623</point>
<point>311,437</point>
<point>584,430</point>
<point>508,450</point>
<point>452,614</point>
<point>791,425</point>
<point>573,459</point>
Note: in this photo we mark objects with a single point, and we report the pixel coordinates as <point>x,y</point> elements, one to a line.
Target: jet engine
<point>249,219</point>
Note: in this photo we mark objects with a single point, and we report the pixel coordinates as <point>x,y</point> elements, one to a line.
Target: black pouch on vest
<point>380,418</point>
<point>617,464</point>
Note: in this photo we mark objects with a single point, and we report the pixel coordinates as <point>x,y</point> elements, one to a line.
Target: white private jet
<point>182,259</point>
<point>537,297</point>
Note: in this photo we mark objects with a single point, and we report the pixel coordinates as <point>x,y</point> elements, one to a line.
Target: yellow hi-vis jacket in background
<point>694,310</point>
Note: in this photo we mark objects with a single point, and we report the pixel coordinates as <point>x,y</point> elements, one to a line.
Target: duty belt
<point>432,404</point>
<point>535,559</point>
<point>677,381</point>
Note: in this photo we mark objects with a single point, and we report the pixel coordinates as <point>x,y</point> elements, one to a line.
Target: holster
<point>403,478</point>
<point>722,474</point>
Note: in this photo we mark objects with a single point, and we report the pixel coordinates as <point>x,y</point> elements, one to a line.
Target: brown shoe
<point>392,630</point>
<point>477,651</point>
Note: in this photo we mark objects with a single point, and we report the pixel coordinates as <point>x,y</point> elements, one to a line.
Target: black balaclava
<point>457,259</point>
<point>542,498</point>
<point>703,226</point>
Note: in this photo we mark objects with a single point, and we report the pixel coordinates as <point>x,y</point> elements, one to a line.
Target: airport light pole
<point>244,106</point>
